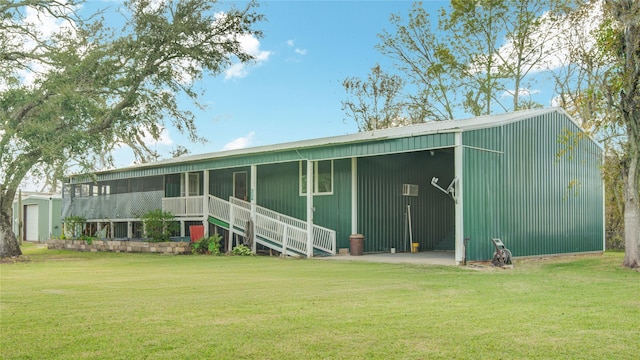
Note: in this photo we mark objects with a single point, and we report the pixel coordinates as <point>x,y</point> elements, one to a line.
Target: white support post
<point>129,230</point>
<point>285,240</point>
<point>205,202</point>
<point>310,208</point>
<point>604,215</point>
<point>354,195</point>
<point>186,185</point>
<point>459,209</point>
<point>50,217</point>
<point>231,216</point>
<point>252,198</point>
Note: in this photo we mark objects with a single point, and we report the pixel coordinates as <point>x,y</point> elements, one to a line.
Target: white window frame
<point>302,178</point>
<point>194,179</point>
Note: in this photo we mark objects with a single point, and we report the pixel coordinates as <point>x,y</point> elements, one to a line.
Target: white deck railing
<point>184,205</point>
<point>286,232</point>
<point>323,238</point>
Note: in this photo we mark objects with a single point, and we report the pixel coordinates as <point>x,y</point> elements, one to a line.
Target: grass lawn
<point>68,305</point>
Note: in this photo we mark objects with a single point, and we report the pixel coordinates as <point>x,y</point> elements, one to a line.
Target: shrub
<point>242,250</point>
<point>159,225</point>
<point>209,245</point>
<point>74,225</point>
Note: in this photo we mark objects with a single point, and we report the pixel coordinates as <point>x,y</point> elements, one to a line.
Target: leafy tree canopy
<point>69,98</point>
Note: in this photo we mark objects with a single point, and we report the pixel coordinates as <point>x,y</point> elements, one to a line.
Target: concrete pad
<point>425,257</point>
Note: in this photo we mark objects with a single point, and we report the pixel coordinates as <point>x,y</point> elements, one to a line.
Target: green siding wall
<point>323,152</point>
<point>382,207</point>
<point>334,211</point>
<point>221,181</point>
<point>43,217</point>
<point>277,189</point>
<point>535,201</point>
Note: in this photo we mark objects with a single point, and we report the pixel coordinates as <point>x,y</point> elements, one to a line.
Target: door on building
<point>31,222</point>
<point>240,185</point>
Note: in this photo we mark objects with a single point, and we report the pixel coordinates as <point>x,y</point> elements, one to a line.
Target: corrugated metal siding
<point>334,211</point>
<point>221,181</point>
<point>483,192</point>
<point>382,207</point>
<point>329,151</point>
<point>529,190</point>
<point>43,217</point>
<point>278,190</point>
<point>57,218</point>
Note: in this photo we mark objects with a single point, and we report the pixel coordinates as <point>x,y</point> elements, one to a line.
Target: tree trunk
<point>631,217</point>
<point>8,243</point>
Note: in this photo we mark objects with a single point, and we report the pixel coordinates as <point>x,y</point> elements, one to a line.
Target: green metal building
<point>36,216</point>
<point>510,176</point>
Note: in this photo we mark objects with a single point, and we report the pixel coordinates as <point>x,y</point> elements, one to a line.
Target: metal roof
<point>424,129</point>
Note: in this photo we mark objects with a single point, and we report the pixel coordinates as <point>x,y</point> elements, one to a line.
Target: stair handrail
<point>323,238</point>
<point>236,214</point>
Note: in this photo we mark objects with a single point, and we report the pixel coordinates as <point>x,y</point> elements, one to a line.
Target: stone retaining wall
<point>176,248</point>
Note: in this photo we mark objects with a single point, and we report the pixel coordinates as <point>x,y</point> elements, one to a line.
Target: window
<point>148,183</point>
<point>105,189</point>
<point>322,177</point>
<point>82,190</point>
<point>194,184</point>
<point>240,185</point>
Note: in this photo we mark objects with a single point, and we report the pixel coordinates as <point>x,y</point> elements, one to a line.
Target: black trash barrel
<point>356,242</point>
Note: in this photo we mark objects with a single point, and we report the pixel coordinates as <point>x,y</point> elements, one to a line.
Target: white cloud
<point>553,39</point>
<point>163,139</point>
<point>301,51</point>
<point>46,23</point>
<point>521,92</point>
<point>241,142</point>
<point>251,45</point>
<point>290,43</point>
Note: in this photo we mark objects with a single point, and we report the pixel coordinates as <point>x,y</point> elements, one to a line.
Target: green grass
<point>68,305</point>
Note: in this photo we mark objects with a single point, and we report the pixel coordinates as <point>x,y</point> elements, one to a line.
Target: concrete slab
<point>425,257</point>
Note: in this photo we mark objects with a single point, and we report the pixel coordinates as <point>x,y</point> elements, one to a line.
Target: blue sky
<point>295,91</point>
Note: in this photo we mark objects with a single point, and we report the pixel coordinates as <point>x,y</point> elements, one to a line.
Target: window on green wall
<point>322,177</point>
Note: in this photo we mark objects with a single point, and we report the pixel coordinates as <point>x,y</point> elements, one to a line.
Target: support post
<point>354,195</point>
<point>231,216</point>
<point>252,199</point>
<point>459,209</point>
<point>205,202</point>
<point>285,239</point>
<point>310,189</point>
<point>50,217</point>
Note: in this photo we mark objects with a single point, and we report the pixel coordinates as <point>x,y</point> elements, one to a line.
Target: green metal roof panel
<point>317,152</point>
<point>378,142</point>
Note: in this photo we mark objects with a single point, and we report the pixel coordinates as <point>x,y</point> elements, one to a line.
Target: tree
<point>375,103</point>
<point>481,54</point>
<point>95,88</point>
<point>623,92</point>
<point>481,49</point>
<point>425,61</point>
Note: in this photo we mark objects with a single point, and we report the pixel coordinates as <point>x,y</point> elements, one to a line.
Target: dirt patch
<point>14,259</point>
